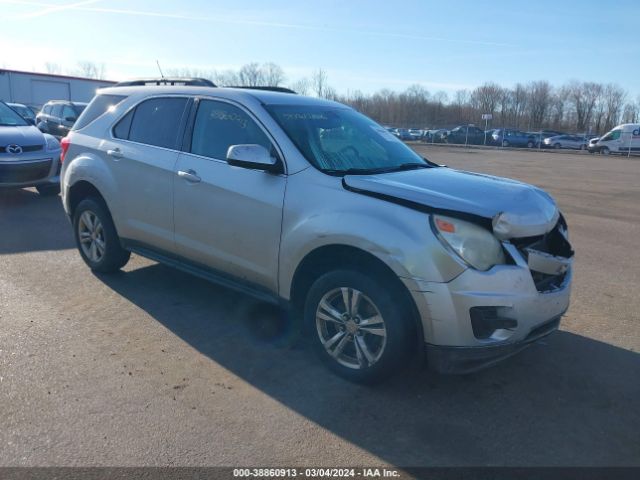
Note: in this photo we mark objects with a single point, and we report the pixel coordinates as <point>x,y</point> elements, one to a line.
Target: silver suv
<point>308,203</point>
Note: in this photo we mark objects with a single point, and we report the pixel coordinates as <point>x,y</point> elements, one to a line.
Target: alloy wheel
<point>91,236</point>
<point>351,328</point>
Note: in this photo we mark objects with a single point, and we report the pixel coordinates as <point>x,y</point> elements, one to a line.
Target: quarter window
<point>157,122</point>
<point>219,125</point>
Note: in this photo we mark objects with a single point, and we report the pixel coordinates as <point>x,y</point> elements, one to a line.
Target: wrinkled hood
<point>511,208</point>
<point>23,136</point>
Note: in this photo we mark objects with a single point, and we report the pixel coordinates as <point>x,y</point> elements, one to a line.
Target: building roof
<point>68,77</point>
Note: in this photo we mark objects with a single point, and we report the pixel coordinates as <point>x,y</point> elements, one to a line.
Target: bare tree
<point>614,97</point>
<point>251,75</point>
<point>301,86</point>
<point>53,68</point>
<point>89,69</point>
<point>539,100</point>
<point>485,98</point>
<point>273,75</point>
<point>319,83</point>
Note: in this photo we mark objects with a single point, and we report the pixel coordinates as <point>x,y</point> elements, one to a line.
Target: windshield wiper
<point>369,171</point>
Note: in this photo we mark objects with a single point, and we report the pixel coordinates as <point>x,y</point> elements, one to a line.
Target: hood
<point>510,208</point>
<point>23,136</point>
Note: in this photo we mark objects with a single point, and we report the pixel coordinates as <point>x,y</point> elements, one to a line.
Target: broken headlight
<point>475,245</point>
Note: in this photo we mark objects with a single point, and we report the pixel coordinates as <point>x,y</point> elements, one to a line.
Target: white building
<point>36,89</point>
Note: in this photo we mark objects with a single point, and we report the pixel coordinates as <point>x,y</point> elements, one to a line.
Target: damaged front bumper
<point>480,318</point>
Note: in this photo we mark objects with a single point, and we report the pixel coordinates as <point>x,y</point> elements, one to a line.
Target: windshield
<point>338,140</point>
<point>9,118</point>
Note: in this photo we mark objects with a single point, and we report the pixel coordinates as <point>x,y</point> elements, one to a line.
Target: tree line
<point>582,107</point>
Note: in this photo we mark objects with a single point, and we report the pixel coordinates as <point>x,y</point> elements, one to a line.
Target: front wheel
<point>505,143</point>
<point>557,146</point>
<point>96,237</point>
<point>360,330</point>
<point>605,151</point>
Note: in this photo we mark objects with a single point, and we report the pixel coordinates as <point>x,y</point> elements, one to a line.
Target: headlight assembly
<point>475,245</point>
<point>52,143</point>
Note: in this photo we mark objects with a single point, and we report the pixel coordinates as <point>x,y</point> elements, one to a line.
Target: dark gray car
<point>58,116</point>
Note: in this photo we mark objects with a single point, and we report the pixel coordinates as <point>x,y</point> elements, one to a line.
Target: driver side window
<point>219,125</point>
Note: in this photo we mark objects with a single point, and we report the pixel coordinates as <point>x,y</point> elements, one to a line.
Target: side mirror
<point>30,121</point>
<point>252,156</point>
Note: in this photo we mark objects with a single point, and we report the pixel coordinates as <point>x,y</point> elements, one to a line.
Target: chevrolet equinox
<point>308,203</point>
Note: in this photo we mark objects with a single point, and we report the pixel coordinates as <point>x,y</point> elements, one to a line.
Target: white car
<point>573,142</point>
<point>309,204</point>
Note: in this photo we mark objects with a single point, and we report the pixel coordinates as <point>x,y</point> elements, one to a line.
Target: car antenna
<point>161,74</point>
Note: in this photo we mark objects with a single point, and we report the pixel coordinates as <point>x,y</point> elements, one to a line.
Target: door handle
<point>115,153</point>
<point>189,176</point>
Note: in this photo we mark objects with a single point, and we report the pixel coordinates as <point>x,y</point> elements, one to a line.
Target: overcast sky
<point>365,45</point>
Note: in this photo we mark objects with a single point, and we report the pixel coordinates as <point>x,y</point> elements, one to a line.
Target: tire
<point>368,354</point>
<point>530,144</point>
<point>605,151</point>
<point>557,146</point>
<point>48,190</point>
<point>505,143</point>
<point>100,245</point>
<point>583,147</point>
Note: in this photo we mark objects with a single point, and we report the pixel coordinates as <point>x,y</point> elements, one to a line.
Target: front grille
<point>24,172</point>
<point>553,243</point>
<point>25,148</point>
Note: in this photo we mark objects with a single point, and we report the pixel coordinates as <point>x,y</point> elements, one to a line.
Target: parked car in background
<point>415,134</point>
<point>377,250</point>
<point>507,137</point>
<point>402,134</point>
<point>28,157</point>
<point>624,138</point>
<point>466,135</point>
<point>24,111</point>
<point>592,146</point>
<point>438,135</point>
<point>574,142</point>
<point>58,116</point>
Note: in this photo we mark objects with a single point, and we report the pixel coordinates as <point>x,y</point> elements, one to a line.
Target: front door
<point>228,218</point>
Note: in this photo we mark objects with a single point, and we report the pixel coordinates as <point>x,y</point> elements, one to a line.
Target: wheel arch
<point>79,191</point>
<point>334,256</point>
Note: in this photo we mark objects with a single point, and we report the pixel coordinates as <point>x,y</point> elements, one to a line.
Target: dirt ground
<point>154,367</point>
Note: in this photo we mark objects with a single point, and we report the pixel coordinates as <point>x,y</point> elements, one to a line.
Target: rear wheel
<point>505,143</point>
<point>48,189</point>
<point>361,330</point>
<point>583,147</point>
<point>530,144</point>
<point>96,237</point>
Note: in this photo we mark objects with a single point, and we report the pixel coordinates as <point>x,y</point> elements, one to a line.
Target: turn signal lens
<point>445,226</point>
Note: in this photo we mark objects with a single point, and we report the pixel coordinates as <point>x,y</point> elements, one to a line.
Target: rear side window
<point>123,127</point>
<point>98,106</point>
<point>157,121</point>
<point>56,110</point>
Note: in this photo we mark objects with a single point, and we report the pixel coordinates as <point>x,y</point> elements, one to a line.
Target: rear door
<point>141,155</point>
<point>227,218</point>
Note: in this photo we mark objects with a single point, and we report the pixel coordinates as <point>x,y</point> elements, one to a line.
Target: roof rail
<point>190,82</point>
<point>270,89</point>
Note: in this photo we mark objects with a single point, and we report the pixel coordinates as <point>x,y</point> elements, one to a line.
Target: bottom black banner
<point>277,473</point>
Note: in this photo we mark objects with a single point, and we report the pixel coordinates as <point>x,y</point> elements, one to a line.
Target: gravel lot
<point>153,367</point>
